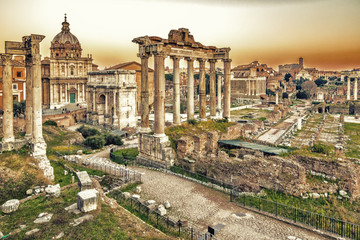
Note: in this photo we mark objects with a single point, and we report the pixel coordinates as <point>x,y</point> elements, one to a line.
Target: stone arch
<point>101,104</point>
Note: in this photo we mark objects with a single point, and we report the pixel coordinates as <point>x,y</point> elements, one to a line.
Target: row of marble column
<point>57,90</point>
<point>355,89</point>
<point>159,90</point>
<point>33,99</point>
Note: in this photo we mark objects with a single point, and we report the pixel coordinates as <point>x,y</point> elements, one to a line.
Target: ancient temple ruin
<point>30,47</point>
<point>155,149</point>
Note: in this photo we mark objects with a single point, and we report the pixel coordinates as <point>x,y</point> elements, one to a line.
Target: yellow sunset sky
<point>324,32</point>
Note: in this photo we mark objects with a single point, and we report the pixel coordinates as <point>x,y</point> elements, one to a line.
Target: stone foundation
<point>9,146</point>
<point>155,151</point>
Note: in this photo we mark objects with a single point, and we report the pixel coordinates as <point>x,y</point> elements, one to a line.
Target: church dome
<point>65,44</point>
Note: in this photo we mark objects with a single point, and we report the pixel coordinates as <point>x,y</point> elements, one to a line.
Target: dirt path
<point>206,207</point>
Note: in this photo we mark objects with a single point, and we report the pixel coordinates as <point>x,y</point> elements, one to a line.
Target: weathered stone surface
<point>138,189</point>
<point>150,202</point>
<point>161,210</point>
<point>167,204</point>
<point>29,191</point>
<point>135,196</point>
<point>1,234</point>
<point>43,218</point>
<point>60,235</point>
<point>82,219</point>
<point>84,181</point>
<point>10,206</point>
<point>31,232</point>
<point>342,193</point>
<point>126,195</point>
<point>53,190</point>
<point>315,195</point>
<point>87,200</point>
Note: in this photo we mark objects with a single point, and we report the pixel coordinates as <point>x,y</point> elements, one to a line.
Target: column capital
<point>144,56</point>
<point>201,60</point>
<point>160,54</point>
<point>227,60</point>
<point>189,59</point>
<point>212,60</point>
<point>175,58</point>
<point>6,59</point>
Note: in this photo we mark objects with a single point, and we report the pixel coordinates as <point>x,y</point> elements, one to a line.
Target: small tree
<point>95,142</point>
<point>285,95</point>
<point>287,77</point>
<point>320,82</point>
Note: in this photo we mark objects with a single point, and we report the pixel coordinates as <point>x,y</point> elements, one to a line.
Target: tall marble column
<point>219,93</point>
<point>355,89</point>
<point>115,117</point>
<point>212,88</point>
<point>348,89</point>
<point>39,145</point>
<point>276,98</point>
<point>106,102</point>
<point>51,94</point>
<point>8,127</point>
<point>61,93</point>
<point>190,87</point>
<point>176,114</point>
<point>144,94</point>
<point>202,89</point>
<point>66,93</point>
<point>29,98</point>
<point>93,100</point>
<point>227,88</point>
<point>159,92</point>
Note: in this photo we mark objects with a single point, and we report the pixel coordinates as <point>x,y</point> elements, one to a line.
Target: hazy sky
<point>324,32</point>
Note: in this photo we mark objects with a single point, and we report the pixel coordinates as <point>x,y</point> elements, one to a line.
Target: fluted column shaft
<point>106,103</point>
<point>190,87</point>
<point>202,89</point>
<point>29,99</point>
<point>227,88</point>
<point>159,93</point>
<point>144,93</point>
<point>219,92</point>
<point>355,89</point>
<point>176,78</point>
<point>8,127</point>
<point>94,100</point>
<point>212,88</point>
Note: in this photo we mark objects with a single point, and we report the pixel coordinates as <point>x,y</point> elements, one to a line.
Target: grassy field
<point>108,223</point>
<point>250,114</point>
<point>352,130</point>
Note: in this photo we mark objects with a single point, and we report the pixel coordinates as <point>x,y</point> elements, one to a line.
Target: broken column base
<point>155,151</point>
<point>39,152</point>
<point>14,145</point>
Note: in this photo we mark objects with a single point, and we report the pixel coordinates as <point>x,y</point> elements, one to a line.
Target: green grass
<point>130,187</point>
<point>352,130</point>
<point>106,223</point>
<point>60,178</point>
<point>124,155</point>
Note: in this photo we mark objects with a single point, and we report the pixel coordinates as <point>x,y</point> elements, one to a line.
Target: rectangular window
<point>15,86</point>
<point>18,74</point>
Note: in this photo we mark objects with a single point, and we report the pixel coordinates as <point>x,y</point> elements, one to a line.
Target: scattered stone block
<point>291,238</point>
<point>150,202</point>
<point>10,206</point>
<point>79,152</point>
<point>315,195</point>
<point>66,172</point>
<point>87,200</point>
<point>135,196</point>
<point>342,193</point>
<point>29,191</point>
<point>126,195</point>
<point>60,235</point>
<point>43,218</point>
<point>167,204</point>
<point>138,189</point>
<point>53,190</point>
<point>31,232</point>
<point>84,181</point>
<point>82,219</point>
<point>161,210</point>
<point>1,234</point>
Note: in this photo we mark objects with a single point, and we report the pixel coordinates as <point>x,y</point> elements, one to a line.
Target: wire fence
<point>321,222</point>
<point>163,223</point>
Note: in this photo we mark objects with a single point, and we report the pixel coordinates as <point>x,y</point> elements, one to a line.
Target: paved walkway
<point>206,207</point>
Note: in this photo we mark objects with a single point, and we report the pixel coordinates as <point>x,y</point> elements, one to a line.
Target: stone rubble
<point>53,190</point>
<point>82,219</point>
<point>87,200</point>
<point>167,204</point>
<point>31,232</point>
<point>10,206</point>
<point>43,218</point>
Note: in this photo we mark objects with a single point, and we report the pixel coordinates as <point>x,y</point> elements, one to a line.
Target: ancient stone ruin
<point>155,149</point>
<point>30,47</point>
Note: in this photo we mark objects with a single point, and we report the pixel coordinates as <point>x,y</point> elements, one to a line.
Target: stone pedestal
<point>155,151</point>
<point>87,200</point>
<point>84,181</point>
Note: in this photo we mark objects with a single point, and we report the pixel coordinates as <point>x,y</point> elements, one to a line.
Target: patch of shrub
<point>88,132</point>
<point>113,139</point>
<point>192,121</point>
<point>95,142</point>
<point>321,148</point>
<point>50,123</point>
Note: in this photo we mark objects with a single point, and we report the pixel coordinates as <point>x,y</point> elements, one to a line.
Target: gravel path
<point>205,207</point>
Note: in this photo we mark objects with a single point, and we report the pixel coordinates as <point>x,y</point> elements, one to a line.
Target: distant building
<point>112,98</point>
<point>137,67</point>
<point>66,81</point>
<point>303,74</point>
<point>293,69</point>
<point>18,83</point>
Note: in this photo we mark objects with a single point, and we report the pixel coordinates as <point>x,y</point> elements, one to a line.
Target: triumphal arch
<point>30,47</point>
<point>155,149</point>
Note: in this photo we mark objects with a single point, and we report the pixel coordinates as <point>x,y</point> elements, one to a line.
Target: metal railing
<point>342,228</point>
<point>165,224</point>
